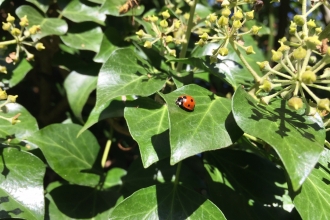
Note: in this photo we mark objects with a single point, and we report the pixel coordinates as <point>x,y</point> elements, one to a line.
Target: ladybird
<point>186,102</point>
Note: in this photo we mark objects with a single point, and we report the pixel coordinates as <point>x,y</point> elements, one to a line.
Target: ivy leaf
<point>21,130</point>
<point>111,7</point>
<point>15,73</point>
<point>297,139</point>
<point>48,26</point>
<point>210,126</point>
<point>84,37</point>
<point>148,124</point>
<point>21,179</point>
<point>78,12</point>
<point>77,97</point>
<point>124,73</point>
<point>43,5</point>
<point>312,202</point>
<point>78,156</point>
<point>166,202</point>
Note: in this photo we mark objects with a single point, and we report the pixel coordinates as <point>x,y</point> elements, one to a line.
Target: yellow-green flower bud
<point>169,39</point>
<point>186,16</point>
<point>264,65</point>
<point>24,21</point>
<point>311,23</point>
<point>225,12</point>
<point>12,98</point>
<point>153,18</point>
<point>237,24</point>
<point>255,29</point>
<point>308,77</point>
<point>15,32</point>
<point>173,53</point>
<point>207,23</point>
<point>177,24</point>
<point>34,29</point>
<point>200,43</point>
<point>165,14</point>
<point>223,51</point>
<point>238,15</point>
<point>292,31</point>
<point>277,56</point>
<point>6,26</point>
<point>312,42</point>
<point>323,104</point>
<point>267,86</point>
<point>163,23</point>
<point>295,103</point>
<point>283,39</point>
<point>318,30</point>
<point>10,18</point>
<point>29,57</point>
<point>3,95</point>
<point>140,33</point>
<point>147,44</point>
<point>40,46</point>
<point>283,47</point>
<point>299,53</point>
<point>299,20</point>
<point>223,21</point>
<point>225,3</point>
<point>249,50</point>
<point>204,36</point>
<point>312,59</point>
<point>213,59</point>
<point>178,11</point>
<point>3,69</point>
<point>212,18</point>
<point>249,15</point>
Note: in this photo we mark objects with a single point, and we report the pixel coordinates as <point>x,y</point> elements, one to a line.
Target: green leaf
<point>124,73</point>
<point>297,139</point>
<point>237,179</point>
<point>111,7</point>
<point>74,159</point>
<point>80,202</point>
<point>78,12</point>
<point>325,33</point>
<point>148,124</point>
<point>210,126</point>
<point>114,177</point>
<point>21,185</point>
<point>49,26</point>
<point>43,5</point>
<point>77,96</point>
<point>15,73</point>
<point>313,201</point>
<point>21,130</point>
<point>84,37</point>
<point>166,202</point>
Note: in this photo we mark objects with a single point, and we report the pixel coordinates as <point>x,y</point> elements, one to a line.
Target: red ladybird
<point>186,102</point>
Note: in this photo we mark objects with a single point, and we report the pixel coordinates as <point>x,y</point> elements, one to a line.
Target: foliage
<point>90,127</point>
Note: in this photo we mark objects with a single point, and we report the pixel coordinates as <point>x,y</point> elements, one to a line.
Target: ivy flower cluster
<point>9,99</point>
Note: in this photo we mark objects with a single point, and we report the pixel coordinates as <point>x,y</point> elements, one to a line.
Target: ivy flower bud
<point>3,95</point>
<point>238,15</point>
<point>225,12</point>
<point>237,24</point>
<point>165,14</point>
<point>147,44</point>
<point>24,21</point>
<point>213,59</point>
<point>15,32</point>
<point>14,119</point>
<point>12,98</point>
<point>173,53</point>
<point>311,23</point>
<point>153,18</point>
<point>299,53</point>
<point>283,39</point>
<point>200,43</point>
<point>169,39</point>
<point>283,47</point>
<point>39,46</point>
<point>308,77</point>
<point>34,29</point>
<point>225,3</point>
<point>29,57</point>
<point>10,18</point>
<point>318,30</point>
<point>140,33</point>
<point>178,11</point>
<point>249,50</point>
<point>207,23</point>
<point>277,56</point>
<point>186,16</point>
<point>223,51</point>
<point>6,26</point>
<point>255,29</point>
<point>163,23</point>
<point>295,103</point>
<point>177,24</point>
<point>312,59</point>
<point>264,65</point>
<point>325,74</point>
<point>249,15</point>
<point>292,31</point>
<point>223,21</point>
<point>212,18</point>
<point>323,104</point>
<point>3,69</point>
<point>299,20</point>
<point>267,86</point>
<point>204,36</point>
<point>312,42</point>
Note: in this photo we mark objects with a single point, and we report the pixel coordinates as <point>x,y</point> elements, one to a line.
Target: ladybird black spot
<point>188,105</point>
